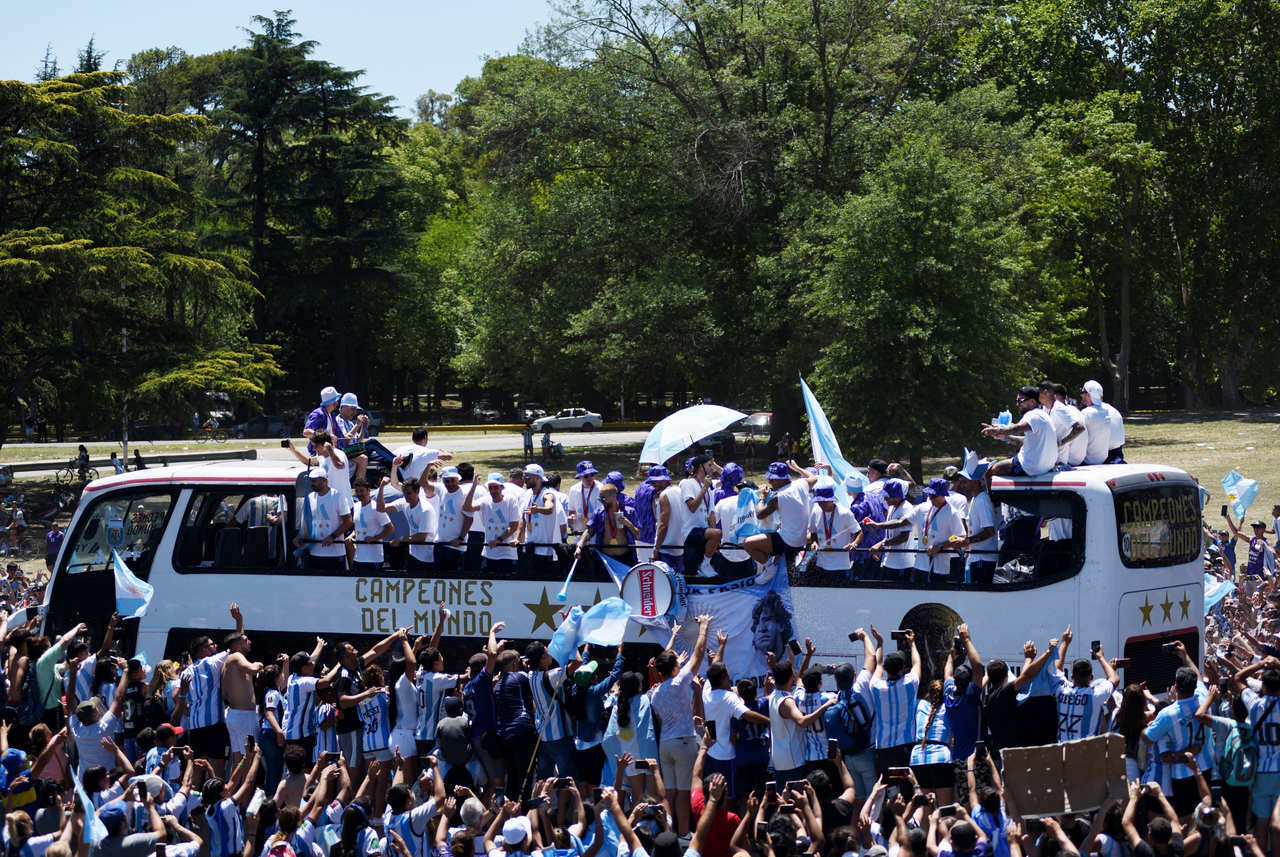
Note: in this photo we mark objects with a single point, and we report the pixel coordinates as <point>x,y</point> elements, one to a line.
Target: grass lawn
<point>1205,444</point>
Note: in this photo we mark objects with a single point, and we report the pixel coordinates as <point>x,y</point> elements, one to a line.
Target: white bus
<point>1130,576</point>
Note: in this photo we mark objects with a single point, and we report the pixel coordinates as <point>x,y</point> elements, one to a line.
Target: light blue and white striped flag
<point>133,596</point>
<point>1240,491</point>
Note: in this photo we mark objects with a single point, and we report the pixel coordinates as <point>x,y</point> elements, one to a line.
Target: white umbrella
<point>684,428</point>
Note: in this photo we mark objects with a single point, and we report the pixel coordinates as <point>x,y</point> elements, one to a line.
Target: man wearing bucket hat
<point>324,417</point>
<point>538,529</point>
<point>501,517</point>
<point>668,513</point>
<point>864,506</point>
<point>699,539</point>
<point>831,529</point>
<point>736,520</point>
<point>353,430</point>
<point>791,499</point>
<point>628,504</point>
<point>939,526</point>
<point>644,512</point>
<point>584,497</point>
<point>980,542</point>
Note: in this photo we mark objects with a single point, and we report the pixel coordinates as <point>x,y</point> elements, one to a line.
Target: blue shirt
<point>226,834</point>
<point>993,827</point>
<point>751,740</point>
<point>478,695</point>
<point>964,710</point>
<point>513,705</point>
<point>643,511</point>
<point>867,506</point>
<point>590,727</point>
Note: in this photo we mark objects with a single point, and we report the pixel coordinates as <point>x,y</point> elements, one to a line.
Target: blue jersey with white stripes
<point>327,736</point>
<point>375,722</point>
<point>300,707</point>
<point>894,703</point>
<point>548,712</point>
<point>226,834</point>
<point>412,826</point>
<point>204,691</point>
<point>933,735</point>
<point>432,688</point>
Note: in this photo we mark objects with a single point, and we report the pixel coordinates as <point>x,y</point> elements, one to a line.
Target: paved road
<point>451,443</point>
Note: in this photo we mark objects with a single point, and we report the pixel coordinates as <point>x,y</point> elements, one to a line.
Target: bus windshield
<point>129,523</point>
<point>1158,525</point>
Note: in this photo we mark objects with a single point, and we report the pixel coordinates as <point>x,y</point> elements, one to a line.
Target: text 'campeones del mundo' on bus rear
<point>1123,567</point>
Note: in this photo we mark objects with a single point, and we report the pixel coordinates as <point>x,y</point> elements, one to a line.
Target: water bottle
<point>1004,418</point>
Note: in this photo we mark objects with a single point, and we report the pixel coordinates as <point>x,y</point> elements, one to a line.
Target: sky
<point>404,47</point>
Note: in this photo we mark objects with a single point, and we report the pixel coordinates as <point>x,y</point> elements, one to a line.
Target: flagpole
<point>563,594</point>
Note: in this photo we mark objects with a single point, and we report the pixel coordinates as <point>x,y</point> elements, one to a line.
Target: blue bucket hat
<point>825,491</point>
<point>616,479</point>
<point>658,473</point>
<point>730,476</point>
<point>894,489</point>
<point>586,468</point>
<point>778,470</point>
<point>450,473</point>
<point>349,400</point>
<point>937,487</point>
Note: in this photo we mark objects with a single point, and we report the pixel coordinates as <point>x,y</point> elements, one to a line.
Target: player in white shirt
<point>940,529</point>
<point>1097,428</point>
<point>792,500</point>
<point>1115,422</point>
<point>895,547</point>
<point>736,521</point>
<point>831,529</point>
<point>372,528</point>
<point>980,542</point>
<point>501,517</point>
<point>417,455</point>
<point>420,514</point>
<point>453,524</point>
<point>670,513</point>
<point>325,517</point>
<point>1069,423</point>
<point>700,540</point>
<point>1034,433</point>
<point>584,497</point>
<point>330,459</point>
<point>538,516</point>
<point>1081,700</point>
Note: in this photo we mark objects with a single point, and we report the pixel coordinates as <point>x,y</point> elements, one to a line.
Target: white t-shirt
<point>1097,430</point>
<point>730,516</point>
<point>339,477</point>
<point>89,741</point>
<point>369,524</point>
<point>720,707</point>
<point>832,529</point>
<point>900,556</point>
<point>325,511</point>
<point>497,517</point>
<point>1116,421</point>
<point>1039,453</point>
<point>1073,452</point>
<point>542,529</point>
<point>421,518</point>
<point>583,503</point>
<point>421,457</point>
<point>562,512</point>
<point>982,514</point>
<point>936,527</point>
<point>451,517</point>
<point>677,526</point>
<point>794,503</point>
<point>689,489</point>
<point>516,492</point>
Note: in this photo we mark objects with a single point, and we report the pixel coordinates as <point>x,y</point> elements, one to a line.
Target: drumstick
<point>563,594</point>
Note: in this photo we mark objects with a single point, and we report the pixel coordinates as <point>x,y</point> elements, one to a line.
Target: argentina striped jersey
<point>375,722</point>
<point>412,826</point>
<point>204,692</point>
<point>300,707</point>
<point>548,712</point>
<point>894,703</point>
<point>432,688</point>
<point>226,834</point>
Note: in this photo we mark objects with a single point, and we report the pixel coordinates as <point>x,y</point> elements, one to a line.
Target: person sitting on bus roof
<point>1115,422</point>
<point>791,499</point>
<point>418,455</point>
<point>326,516</point>
<point>1097,425</point>
<point>323,417</point>
<point>353,428</point>
<point>1068,423</point>
<point>1035,435</point>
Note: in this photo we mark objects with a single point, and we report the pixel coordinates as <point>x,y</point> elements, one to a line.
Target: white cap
<point>317,473</point>
<point>329,395</point>
<point>349,400</point>
<point>515,830</point>
<point>534,469</point>
<point>1094,389</point>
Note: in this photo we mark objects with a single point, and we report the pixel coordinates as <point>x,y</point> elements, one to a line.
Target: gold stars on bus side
<point>544,613</point>
<point>1185,604</point>
<point>1167,607</point>
<point>1145,608</point>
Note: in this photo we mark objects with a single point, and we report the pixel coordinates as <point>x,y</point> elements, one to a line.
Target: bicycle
<point>71,473</point>
<point>218,435</point>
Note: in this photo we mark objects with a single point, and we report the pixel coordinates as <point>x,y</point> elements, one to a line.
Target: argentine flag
<point>1214,591</point>
<point>826,449</point>
<point>94,830</point>
<point>1240,492</point>
<point>133,596</point>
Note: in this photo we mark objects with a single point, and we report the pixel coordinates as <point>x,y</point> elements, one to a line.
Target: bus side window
<point>233,530</point>
<point>1041,536</point>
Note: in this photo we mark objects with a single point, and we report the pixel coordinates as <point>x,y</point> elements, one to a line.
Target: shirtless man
<point>237,689</point>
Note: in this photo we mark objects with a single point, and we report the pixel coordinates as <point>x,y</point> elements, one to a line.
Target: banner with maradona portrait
<point>755,613</point>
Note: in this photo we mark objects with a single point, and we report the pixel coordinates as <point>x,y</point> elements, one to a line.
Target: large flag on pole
<point>826,449</point>
<point>132,595</point>
<point>1240,492</point>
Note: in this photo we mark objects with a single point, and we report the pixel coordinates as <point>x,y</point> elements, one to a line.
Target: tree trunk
<point>915,464</point>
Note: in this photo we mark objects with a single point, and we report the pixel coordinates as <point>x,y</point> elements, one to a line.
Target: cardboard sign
<point>1074,776</point>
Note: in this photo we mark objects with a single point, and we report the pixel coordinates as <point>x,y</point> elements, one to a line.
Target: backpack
<point>30,709</point>
<point>1240,755</point>
<point>849,722</point>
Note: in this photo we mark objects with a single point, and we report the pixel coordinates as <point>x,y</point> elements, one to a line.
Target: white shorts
<point>240,725</point>
<point>403,740</point>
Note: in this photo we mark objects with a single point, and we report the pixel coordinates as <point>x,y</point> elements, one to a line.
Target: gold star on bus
<point>544,613</point>
<point>1167,607</point>
<point>1185,604</point>
<point>1146,609</point>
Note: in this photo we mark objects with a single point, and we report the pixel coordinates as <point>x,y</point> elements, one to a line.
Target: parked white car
<point>569,418</point>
